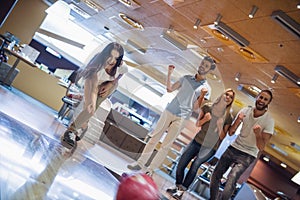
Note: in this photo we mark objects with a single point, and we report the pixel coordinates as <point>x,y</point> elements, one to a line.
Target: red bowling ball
<point>137,187</point>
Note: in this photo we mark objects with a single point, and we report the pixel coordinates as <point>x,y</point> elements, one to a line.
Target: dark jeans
<point>240,161</point>
<point>200,155</point>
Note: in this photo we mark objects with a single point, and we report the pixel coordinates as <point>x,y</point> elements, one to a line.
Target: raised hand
<point>256,129</point>
<point>171,69</point>
<point>241,116</point>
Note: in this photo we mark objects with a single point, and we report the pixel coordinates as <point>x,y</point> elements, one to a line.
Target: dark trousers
<point>239,161</point>
<point>200,154</point>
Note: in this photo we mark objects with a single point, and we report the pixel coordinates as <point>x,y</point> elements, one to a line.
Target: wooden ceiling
<point>270,43</point>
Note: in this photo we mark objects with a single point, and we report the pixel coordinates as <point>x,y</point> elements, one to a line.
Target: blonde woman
<point>214,120</point>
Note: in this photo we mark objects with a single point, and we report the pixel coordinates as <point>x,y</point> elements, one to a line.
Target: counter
<point>123,134</point>
<point>33,81</point>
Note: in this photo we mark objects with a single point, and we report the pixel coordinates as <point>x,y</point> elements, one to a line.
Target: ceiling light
<point>197,23</point>
<point>249,90</point>
<point>126,2</point>
<point>283,71</point>
<point>253,11</point>
<point>274,78</point>
<point>79,10</point>
<point>247,53</point>
<point>287,22</point>
<point>266,158</point>
<point>219,17</point>
<point>283,165</point>
<point>296,146</point>
<point>131,22</point>
<point>175,39</point>
<point>93,5</point>
<point>279,150</point>
<point>298,119</point>
<point>237,76</point>
<point>170,29</point>
<point>203,40</point>
<point>136,46</point>
<point>130,4</point>
<point>61,38</point>
<point>227,31</point>
<point>298,6</point>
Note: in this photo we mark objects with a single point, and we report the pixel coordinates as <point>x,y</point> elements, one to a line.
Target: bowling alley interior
<point>254,44</point>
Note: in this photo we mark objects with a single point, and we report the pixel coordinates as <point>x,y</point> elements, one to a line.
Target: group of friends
<point>215,121</point>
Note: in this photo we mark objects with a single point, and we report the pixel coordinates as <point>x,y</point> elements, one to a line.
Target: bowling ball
<point>137,187</point>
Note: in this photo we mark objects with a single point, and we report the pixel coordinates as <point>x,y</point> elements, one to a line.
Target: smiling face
<point>204,67</point>
<point>262,101</point>
<point>112,60</point>
<point>228,97</point>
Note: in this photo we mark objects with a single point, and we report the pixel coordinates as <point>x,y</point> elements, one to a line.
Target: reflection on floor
<point>34,165</point>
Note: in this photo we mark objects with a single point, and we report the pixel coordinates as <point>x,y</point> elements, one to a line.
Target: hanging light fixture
<point>279,149</point>
<point>170,29</point>
<point>274,78</point>
<point>237,76</point>
<point>285,72</point>
<point>197,23</point>
<point>253,11</point>
<point>219,17</point>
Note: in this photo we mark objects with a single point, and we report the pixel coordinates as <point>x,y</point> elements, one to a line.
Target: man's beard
<point>202,72</point>
<point>259,107</point>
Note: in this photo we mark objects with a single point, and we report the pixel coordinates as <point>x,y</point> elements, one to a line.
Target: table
<point>14,66</point>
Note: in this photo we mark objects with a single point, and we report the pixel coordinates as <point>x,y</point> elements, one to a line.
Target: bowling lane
<point>35,166</point>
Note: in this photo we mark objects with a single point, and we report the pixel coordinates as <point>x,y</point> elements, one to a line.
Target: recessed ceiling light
<point>283,165</point>
<point>220,49</point>
<point>131,22</point>
<point>266,158</point>
<point>203,40</point>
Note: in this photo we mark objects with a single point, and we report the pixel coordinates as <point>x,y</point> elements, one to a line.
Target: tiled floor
<point>34,165</point>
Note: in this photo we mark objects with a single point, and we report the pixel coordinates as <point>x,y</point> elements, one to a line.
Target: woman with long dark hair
<point>100,77</point>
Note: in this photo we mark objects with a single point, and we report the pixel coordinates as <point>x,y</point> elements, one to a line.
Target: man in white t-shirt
<point>257,129</point>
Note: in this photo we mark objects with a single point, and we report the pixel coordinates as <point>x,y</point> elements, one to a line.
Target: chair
<point>71,100</point>
<point>4,70</point>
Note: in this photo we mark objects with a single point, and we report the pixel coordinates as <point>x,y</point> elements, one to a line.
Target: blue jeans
<point>241,162</point>
<point>200,155</point>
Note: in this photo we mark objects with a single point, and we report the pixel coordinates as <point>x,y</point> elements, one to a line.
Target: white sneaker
<point>178,195</point>
<point>149,173</point>
<point>172,190</point>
